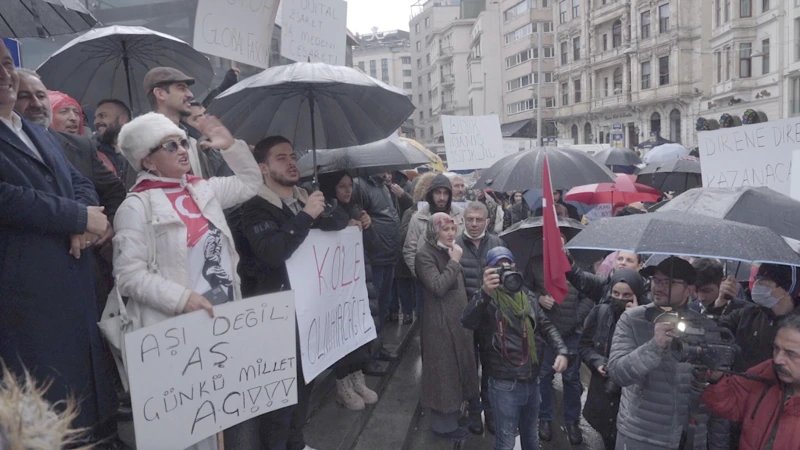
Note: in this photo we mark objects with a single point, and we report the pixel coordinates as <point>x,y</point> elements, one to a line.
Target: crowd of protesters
<point>171,212</point>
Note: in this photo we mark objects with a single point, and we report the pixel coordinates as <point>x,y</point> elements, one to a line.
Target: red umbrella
<point>623,190</point>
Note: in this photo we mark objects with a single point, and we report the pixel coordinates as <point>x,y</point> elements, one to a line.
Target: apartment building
<point>386,56</point>
<point>484,64</point>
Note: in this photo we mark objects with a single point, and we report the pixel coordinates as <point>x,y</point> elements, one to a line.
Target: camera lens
<point>512,281</point>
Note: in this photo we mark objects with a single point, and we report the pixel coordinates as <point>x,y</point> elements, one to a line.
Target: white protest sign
<point>795,184</point>
<point>600,211</point>
<point>315,29</point>
<point>750,155</point>
<point>472,142</point>
<point>327,275</point>
<point>239,30</point>
<point>193,376</point>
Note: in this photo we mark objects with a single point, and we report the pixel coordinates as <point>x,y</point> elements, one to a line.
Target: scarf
<point>145,185</point>
<point>520,306</point>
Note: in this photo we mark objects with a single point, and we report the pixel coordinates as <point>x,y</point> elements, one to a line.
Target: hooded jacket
<point>419,223</point>
<point>372,195</point>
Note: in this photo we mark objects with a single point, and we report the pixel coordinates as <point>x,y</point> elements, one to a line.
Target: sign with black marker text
<point>314,30</point>
<point>193,376</point>
<point>473,142</point>
<point>327,275</point>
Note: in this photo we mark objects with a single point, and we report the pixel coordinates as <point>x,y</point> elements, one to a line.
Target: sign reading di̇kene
<point>328,278</point>
<point>193,376</point>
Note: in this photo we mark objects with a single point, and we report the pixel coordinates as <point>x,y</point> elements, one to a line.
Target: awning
<point>510,129</point>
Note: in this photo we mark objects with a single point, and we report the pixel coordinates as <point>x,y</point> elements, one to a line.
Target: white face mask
<point>469,236</point>
<point>762,296</point>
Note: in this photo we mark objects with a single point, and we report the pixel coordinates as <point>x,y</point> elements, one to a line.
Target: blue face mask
<point>762,296</point>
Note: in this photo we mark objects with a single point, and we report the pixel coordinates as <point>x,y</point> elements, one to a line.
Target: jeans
<point>403,296</point>
<point>626,443</point>
<point>382,277</point>
<point>571,378</point>
<point>516,406</point>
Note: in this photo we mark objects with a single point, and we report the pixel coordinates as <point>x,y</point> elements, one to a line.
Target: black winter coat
<point>372,195</point>
<point>569,316</point>
<point>755,329</point>
<point>473,261</point>
<point>501,358</point>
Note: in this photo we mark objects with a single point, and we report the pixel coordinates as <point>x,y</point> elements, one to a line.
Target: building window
<point>564,94</point>
<point>616,34</point>
<point>618,81</point>
<point>655,124</point>
<point>419,63</point>
<point>419,81</point>
<point>421,115</point>
<point>727,10</point>
<point>794,101</point>
<point>745,8</point>
<point>429,77</point>
<point>576,86</point>
<point>385,70</point>
<point>518,107</point>
<point>420,99</point>
<point>605,42</point>
<point>675,126</point>
<point>576,49</point>
<point>663,71</point>
<point>519,33</point>
<point>563,53</point>
<point>361,66</point>
<point>745,62</point>
<point>797,39</point>
<point>431,130</point>
<point>562,11</point>
<point>646,75</point>
<point>419,46</point>
<point>717,12</point>
<point>406,85</point>
<point>373,70</point>
<point>406,60</point>
<point>521,82</point>
<point>520,58</point>
<point>764,6</point>
<point>663,18</point>
<point>587,133</point>
<point>422,130</point>
<point>605,86</point>
<point>549,102</point>
<point>765,56</point>
<point>645,24</point>
<point>427,22</point>
<point>574,134</point>
<point>516,10</point>
<point>416,28</point>
<point>728,63</point>
<point>576,9</point>
<point>718,62</point>
<point>548,27</point>
<point>549,51</point>
<point>406,73</point>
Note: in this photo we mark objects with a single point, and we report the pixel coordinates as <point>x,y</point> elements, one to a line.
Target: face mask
<point>442,246</point>
<point>480,236</point>
<point>762,296</point>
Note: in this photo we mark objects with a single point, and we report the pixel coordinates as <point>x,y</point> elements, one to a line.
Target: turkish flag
<point>556,263</point>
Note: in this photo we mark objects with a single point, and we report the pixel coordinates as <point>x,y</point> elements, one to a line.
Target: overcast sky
<point>362,15</point>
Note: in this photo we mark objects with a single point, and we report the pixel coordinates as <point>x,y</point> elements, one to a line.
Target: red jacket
<point>759,406</point>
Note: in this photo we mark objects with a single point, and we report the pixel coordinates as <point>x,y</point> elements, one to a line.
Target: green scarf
<point>520,306</point>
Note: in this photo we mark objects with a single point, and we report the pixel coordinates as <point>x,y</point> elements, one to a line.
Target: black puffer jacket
<point>473,261</point>
<point>568,317</point>
<point>755,329</point>
<point>503,358</point>
<point>372,195</point>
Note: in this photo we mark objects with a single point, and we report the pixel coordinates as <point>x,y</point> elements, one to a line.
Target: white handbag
<point>115,322</point>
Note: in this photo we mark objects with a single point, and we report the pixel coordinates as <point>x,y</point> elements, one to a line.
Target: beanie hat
<point>498,253</point>
<point>144,133</point>
<point>59,100</point>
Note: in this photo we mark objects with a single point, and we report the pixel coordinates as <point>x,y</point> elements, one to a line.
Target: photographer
<point>768,404</point>
<point>510,315</point>
<point>656,387</point>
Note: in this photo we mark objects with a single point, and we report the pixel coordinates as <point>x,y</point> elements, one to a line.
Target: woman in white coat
<point>174,252</point>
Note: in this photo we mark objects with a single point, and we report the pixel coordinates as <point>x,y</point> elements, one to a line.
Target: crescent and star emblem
<point>182,208</point>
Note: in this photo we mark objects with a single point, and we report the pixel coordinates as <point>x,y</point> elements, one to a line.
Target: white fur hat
<point>144,133</point>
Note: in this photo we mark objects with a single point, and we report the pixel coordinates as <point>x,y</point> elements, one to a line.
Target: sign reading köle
<point>750,155</point>
<point>327,275</point>
<point>193,376</point>
<point>239,30</point>
<point>314,30</point>
<point>472,142</point>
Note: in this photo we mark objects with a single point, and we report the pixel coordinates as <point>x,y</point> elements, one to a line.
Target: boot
<point>545,431</point>
<point>360,387</point>
<point>347,397</point>
<point>490,427</point>
<point>574,433</point>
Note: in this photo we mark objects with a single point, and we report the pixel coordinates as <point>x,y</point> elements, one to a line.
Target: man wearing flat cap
<point>169,94</point>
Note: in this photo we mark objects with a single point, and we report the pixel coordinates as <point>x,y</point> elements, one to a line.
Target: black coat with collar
<point>48,316</point>
<point>82,153</point>
<point>473,261</point>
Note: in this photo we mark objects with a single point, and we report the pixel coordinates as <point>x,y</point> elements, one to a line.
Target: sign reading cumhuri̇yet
<point>750,155</point>
<point>239,30</point>
<point>472,142</point>
<point>314,30</point>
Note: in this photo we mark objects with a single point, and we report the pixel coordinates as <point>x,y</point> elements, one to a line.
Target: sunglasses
<point>172,146</point>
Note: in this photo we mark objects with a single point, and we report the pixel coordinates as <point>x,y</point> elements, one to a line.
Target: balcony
<point>449,107</point>
<point>574,110</point>
<point>610,11</point>
<point>445,53</point>
<point>612,102</point>
<point>448,81</point>
<point>611,57</point>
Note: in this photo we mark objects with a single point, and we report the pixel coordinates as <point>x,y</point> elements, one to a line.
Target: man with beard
<point>168,91</point>
<point>109,117</point>
<point>767,402</point>
<point>439,199</point>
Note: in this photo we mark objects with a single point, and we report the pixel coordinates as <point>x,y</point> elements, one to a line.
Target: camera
<point>510,279</point>
<point>699,340</point>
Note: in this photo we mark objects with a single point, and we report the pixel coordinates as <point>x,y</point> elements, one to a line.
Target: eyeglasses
<point>171,146</point>
<point>664,282</point>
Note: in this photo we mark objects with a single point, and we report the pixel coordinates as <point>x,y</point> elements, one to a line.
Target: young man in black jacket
<point>511,319</point>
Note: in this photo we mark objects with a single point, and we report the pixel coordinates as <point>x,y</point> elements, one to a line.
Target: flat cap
<point>165,75</point>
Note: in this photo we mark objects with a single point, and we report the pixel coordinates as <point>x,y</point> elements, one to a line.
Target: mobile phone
<point>217,296</point>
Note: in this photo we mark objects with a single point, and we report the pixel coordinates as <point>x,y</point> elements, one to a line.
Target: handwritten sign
<point>795,183</point>
<point>315,30</point>
<point>193,376</point>
<point>472,142</point>
<point>239,30</point>
<point>750,155</point>
<point>328,278</point>
<point>601,211</point>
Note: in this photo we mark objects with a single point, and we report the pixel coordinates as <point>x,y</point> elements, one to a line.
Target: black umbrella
<point>524,238</point>
<point>522,171</point>
<point>760,206</point>
<point>678,175</point>
<point>617,156</point>
<point>650,143</point>
<point>43,18</point>
<point>385,155</point>
<point>685,234</point>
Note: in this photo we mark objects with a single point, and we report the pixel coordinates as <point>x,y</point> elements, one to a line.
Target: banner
<point>327,275</point>
<point>750,155</point>
<point>472,142</point>
<point>314,30</point>
<point>795,180</point>
<point>13,48</point>
<point>237,30</point>
<point>193,376</point>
